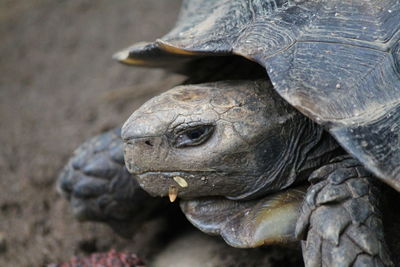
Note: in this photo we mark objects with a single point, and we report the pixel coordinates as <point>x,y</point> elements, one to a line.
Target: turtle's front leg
<point>100,188</point>
<point>340,219</point>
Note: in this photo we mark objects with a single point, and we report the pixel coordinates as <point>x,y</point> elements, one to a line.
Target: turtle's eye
<point>193,136</point>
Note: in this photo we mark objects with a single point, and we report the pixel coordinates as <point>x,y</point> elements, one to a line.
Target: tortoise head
<point>234,139</point>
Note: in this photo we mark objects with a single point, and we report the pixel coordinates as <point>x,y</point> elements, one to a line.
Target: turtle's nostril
<point>148,142</point>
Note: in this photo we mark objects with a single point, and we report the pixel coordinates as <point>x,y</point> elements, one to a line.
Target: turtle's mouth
<point>170,183</point>
<point>187,184</point>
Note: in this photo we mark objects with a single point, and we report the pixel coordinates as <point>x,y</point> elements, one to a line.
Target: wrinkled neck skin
<point>307,148</point>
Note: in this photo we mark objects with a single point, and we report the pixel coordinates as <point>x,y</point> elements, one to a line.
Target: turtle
<point>216,115</point>
<point>338,65</point>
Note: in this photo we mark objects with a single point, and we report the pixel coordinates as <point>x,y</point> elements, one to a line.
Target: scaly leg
<point>100,188</point>
<point>340,219</point>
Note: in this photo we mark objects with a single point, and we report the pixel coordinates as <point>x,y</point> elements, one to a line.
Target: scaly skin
<point>341,221</point>
<point>100,188</point>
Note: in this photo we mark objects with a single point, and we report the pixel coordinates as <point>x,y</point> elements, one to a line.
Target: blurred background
<point>58,87</point>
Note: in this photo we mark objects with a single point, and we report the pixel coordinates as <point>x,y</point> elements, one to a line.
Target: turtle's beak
<point>133,148</point>
<point>142,143</point>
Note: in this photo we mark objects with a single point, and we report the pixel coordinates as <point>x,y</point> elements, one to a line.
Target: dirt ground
<point>58,87</point>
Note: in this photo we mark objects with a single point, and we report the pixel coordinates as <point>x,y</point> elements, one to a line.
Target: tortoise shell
<point>338,62</point>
